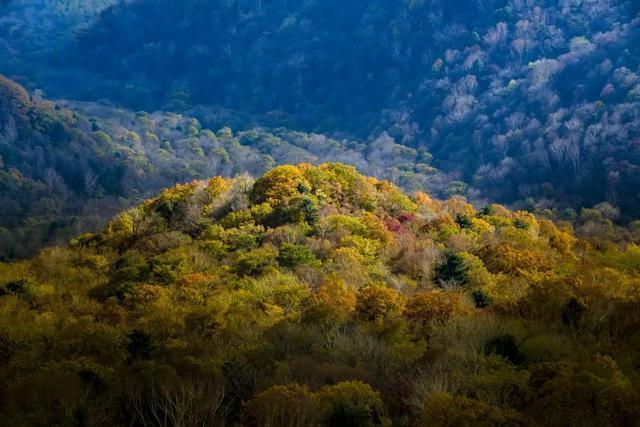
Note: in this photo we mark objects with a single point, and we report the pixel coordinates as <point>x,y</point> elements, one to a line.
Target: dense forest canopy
<point>318,296</point>
<point>529,101</point>
<point>301,213</point>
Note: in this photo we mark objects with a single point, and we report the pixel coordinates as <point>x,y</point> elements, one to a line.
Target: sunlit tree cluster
<point>318,296</point>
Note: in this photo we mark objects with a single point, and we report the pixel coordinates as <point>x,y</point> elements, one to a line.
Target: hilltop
<point>67,167</point>
<point>315,295</point>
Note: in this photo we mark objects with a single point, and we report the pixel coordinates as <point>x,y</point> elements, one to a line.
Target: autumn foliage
<point>318,296</point>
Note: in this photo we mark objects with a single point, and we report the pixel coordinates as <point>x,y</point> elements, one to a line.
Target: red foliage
<point>407,217</point>
<point>394,225</point>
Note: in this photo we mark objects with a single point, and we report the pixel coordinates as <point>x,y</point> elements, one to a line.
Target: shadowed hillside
<point>533,103</point>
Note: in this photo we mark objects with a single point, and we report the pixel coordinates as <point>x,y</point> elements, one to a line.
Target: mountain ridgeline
<point>317,296</point>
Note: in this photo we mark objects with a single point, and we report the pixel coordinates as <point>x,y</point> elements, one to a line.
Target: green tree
<point>291,255</point>
<point>453,270</point>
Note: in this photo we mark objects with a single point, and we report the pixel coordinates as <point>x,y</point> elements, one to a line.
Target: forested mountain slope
<point>29,28</point>
<point>317,296</point>
<point>50,170</point>
<point>67,167</point>
<point>525,100</point>
<point>33,31</point>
